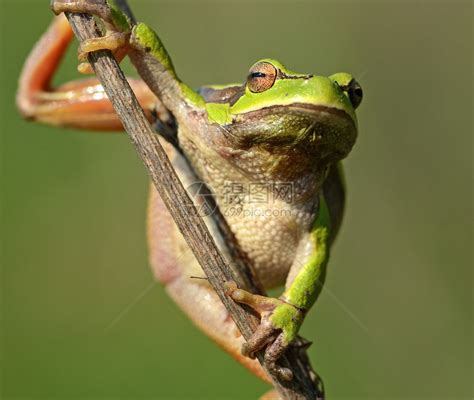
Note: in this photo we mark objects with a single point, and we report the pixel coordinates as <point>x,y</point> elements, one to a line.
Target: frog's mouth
<point>302,107</point>
<point>318,129</point>
<point>315,109</point>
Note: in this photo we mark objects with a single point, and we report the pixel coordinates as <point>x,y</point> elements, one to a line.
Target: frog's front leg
<point>281,318</point>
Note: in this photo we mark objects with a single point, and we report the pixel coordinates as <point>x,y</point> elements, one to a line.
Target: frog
<point>269,149</point>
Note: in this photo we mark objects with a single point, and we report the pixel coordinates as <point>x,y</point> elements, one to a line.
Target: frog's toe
<point>273,352</point>
<point>259,303</point>
<point>98,8</point>
<point>264,334</point>
<point>85,68</point>
<point>113,41</point>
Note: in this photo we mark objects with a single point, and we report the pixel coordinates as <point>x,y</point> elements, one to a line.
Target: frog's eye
<point>354,90</point>
<point>261,77</point>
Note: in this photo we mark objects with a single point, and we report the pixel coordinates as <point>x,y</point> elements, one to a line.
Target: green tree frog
<point>269,149</point>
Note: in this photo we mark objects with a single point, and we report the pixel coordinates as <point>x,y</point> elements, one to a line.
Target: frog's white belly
<point>269,233</point>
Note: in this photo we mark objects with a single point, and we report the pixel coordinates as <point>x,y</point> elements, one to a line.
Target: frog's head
<point>280,109</point>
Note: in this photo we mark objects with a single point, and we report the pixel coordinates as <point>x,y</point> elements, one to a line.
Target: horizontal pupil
<point>258,75</point>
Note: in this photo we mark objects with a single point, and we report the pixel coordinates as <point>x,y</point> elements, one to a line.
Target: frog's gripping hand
<point>139,42</point>
<point>117,28</point>
<point>281,318</point>
<point>271,332</point>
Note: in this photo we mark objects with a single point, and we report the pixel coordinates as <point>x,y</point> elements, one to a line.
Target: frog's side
<point>278,131</point>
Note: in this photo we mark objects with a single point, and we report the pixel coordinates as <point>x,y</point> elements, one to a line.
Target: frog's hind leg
<point>174,265</point>
<point>79,104</point>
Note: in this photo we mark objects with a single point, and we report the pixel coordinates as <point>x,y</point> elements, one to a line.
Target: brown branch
<point>185,214</point>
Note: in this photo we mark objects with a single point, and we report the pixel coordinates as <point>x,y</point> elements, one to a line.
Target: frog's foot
<point>279,325</point>
<point>117,35</point>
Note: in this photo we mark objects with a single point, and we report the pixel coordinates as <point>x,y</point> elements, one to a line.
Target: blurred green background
<point>81,316</point>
